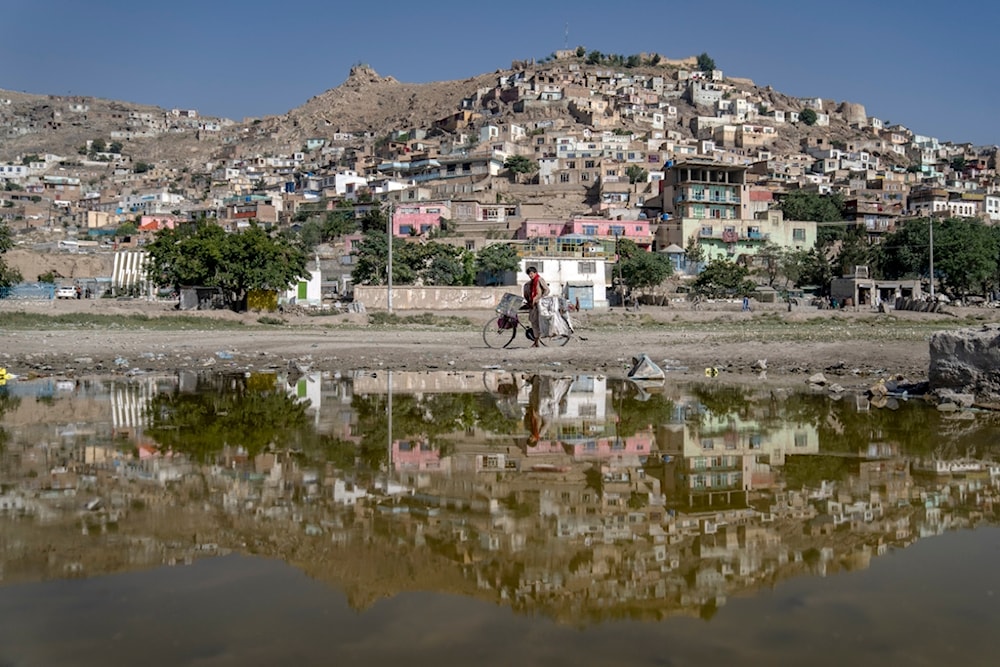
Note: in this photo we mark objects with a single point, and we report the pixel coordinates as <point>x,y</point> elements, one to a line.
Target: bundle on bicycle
<point>555,327</point>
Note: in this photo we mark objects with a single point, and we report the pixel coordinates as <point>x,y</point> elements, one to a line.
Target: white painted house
<point>578,279</point>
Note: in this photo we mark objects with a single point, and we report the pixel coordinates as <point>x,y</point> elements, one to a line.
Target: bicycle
<point>511,316</point>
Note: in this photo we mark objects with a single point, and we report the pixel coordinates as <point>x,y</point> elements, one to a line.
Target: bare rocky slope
<point>365,102</point>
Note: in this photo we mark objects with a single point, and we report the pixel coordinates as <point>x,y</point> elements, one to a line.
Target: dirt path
<point>853,349</point>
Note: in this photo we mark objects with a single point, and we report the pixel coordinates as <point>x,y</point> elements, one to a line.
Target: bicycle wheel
<point>556,341</point>
<point>499,332</point>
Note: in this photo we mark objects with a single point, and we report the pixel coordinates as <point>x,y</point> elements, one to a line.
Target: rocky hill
<point>364,103</point>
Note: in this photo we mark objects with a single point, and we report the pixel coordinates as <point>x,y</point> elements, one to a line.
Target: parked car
<point>65,292</point>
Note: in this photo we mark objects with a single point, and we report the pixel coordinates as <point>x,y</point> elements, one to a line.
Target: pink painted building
<point>637,231</point>
<point>419,219</point>
<point>537,228</point>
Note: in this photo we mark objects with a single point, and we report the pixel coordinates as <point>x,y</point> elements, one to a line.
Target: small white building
<point>306,292</point>
<point>581,280</point>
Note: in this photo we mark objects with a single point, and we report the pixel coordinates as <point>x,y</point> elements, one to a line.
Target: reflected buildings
<point>581,497</point>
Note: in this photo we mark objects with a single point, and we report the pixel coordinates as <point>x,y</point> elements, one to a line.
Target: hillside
<point>365,102</point>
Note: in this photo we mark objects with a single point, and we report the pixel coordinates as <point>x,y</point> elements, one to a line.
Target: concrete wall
<point>408,297</point>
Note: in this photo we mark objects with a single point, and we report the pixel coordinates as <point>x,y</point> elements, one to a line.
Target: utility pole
<point>389,241</point>
<point>930,231</point>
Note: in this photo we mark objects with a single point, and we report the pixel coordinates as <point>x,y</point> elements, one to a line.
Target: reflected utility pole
<point>388,387</point>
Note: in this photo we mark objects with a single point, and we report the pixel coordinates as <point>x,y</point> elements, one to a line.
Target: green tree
<point>801,205</point>
<point>816,270</point>
<point>636,174</point>
<point>494,260</point>
<point>519,164</point>
<point>115,147</point>
<point>722,278</point>
<point>645,270</point>
<point>126,229</point>
<point>204,254</point>
<point>966,254</point>
<point>97,146</point>
<point>142,167</point>
<point>705,63</point>
<point>372,259</point>
<point>437,263</point>
<point>374,220</point>
<point>8,275</point>
<point>855,250</point>
<point>580,52</point>
<point>694,253</point>
<point>768,262</point>
<point>595,58</point>
<point>808,116</point>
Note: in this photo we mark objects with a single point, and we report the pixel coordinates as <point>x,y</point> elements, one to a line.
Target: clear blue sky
<point>933,70</point>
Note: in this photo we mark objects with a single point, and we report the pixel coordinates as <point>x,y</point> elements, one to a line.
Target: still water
<point>491,519</point>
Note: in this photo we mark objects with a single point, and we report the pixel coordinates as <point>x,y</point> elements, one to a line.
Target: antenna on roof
<point>566,38</point>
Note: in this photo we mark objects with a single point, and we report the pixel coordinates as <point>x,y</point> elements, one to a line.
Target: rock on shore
<point>966,360</point>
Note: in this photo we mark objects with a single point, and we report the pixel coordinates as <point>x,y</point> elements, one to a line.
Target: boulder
<point>967,360</point>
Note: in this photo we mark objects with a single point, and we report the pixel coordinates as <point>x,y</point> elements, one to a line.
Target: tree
<point>203,254</point>
<point>594,58</point>
<point>519,164</point>
<point>636,174</point>
<point>115,147</point>
<point>126,229</point>
<point>374,220</point>
<point>722,278</point>
<point>705,63</point>
<point>966,254</point>
<point>8,275</point>
<point>97,146</point>
<point>769,262</point>
<point>808,116</point>
<point>694,253</point>
<point>372,261</point>
<point>645,270</point>
<point>580,52</point>
<point>854,251</point>
<point>495,260</point>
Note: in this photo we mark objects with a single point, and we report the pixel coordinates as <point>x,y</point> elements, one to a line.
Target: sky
<point>933,71</point>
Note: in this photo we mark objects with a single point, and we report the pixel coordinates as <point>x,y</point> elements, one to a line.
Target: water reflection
<point>580,497</point>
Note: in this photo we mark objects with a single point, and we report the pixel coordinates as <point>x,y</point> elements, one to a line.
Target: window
<point>798,234</point>
<point>706,230</point>
<point>588,164</point>
<point>618,230</point>
<point>590,230</point>
<point>587,267</point>
<point>539,266</point>
<point>571,164</point>
<point>470,245</point>
<point>564,178</point>
<point>405,229</point>
<point>584,177</point>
